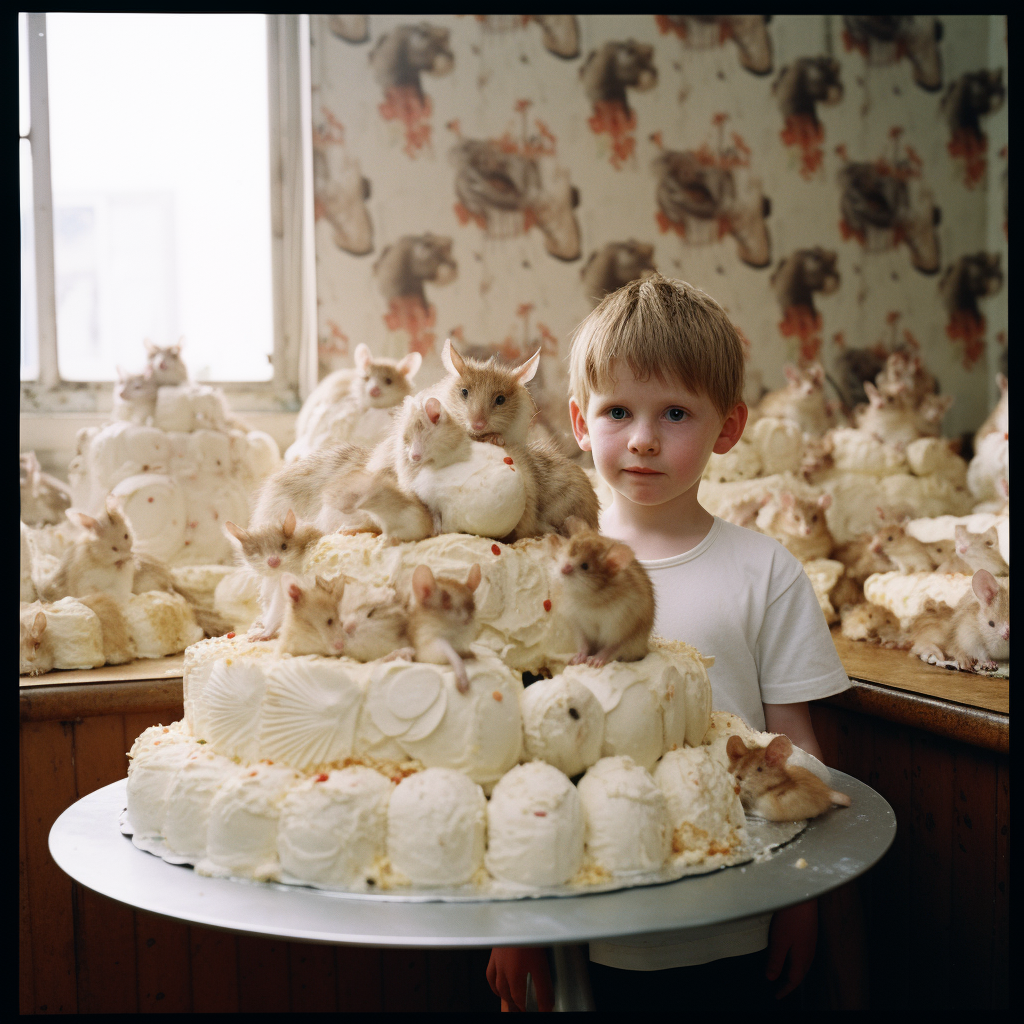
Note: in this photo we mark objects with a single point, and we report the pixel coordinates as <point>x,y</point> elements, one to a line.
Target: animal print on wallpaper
<point>492,177</point>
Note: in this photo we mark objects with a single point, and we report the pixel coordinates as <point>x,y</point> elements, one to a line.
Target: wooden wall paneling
<point>973,877</point>
<point>314,978</point>
<point>931,848</point>
<point>359,980</point>
<point>48,747</point>
<point>1001,931</point>
<point>138,722</point>
<point>262,975</point>
<point>162,973</point>
<point>405,980</point>
<point>26,996</point>
<point>448,980</point>
<point>213,959</point>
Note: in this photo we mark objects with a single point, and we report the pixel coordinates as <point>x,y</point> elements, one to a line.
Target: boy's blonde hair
<point>662,328</point>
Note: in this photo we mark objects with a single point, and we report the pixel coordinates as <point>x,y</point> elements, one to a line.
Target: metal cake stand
<point>87,843</point>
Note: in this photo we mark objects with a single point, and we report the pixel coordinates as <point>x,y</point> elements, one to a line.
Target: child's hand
<point>791,940</point>
<point>506,974</point>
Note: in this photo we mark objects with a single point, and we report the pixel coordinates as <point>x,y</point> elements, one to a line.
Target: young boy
<point>656,378</point>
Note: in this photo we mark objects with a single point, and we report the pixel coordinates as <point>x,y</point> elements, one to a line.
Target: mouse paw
<point>403,654</point>
<point>597,660</point>
<point>578,659</point>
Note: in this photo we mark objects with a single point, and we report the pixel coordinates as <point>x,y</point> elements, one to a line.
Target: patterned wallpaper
<point>837,183</point>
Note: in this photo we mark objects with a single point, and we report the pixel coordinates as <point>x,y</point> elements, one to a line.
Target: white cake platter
<point>86,842</point>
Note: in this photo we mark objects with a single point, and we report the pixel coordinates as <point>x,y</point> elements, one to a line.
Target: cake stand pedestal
<point>87,844</point>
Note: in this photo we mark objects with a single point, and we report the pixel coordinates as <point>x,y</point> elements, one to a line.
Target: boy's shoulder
<point>757,550</point>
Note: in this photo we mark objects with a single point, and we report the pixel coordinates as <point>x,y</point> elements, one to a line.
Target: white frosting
<point>160,623</point>
<point>192,791</point>
<point>28,590</point>
<point>907,595</point>
<point>333,827</point>
<point>241,836</point>
<point>703,807</point>
<point>310,710</point>
<point>563,724</point>
<point>151,775</point>
<point>824,574</point>
<point>72,633</point>
<point>483,495</point>
<point>228,714</point>
<point>535,829</point>
<point>625,813</point>
<point>944,528</point>
<point>437,827</point>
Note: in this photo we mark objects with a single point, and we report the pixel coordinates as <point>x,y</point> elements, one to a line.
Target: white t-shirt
<point>742,597</point>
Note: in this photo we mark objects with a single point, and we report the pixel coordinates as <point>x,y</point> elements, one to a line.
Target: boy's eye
<point>676,415</point>
<point>465,392</point>
<point>617,413</point>
<point>500,400</point>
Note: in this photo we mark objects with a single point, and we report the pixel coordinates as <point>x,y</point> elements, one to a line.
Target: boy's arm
<point>795,721</point>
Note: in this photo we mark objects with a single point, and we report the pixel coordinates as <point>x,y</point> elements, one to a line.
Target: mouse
<point>373,383</point>
<point>998,420</point>
<point>798,524</point>
<point>44,498</point>
<point>773,790</point>
<point>974,551</point>
<point>118,644</point>
<point>891,418</point>
<point>153,574</point>
<point>269,551</point>
<point>442,619</point>
<point>907,554</point>
<point>312,621</point>
<point>905,375</point>
<point>398,515</point>
<point>974,634</point>
<point>134,397</point>
<point>378,628</point>
<point>604,593</point>
<point>164,365</point>
<point>802,401</point>
<point>99,559</point>
<point>36,654</point>
<point>300,487</point>
<point>872,622</point>
<point>557,490</point>
<point>489,399</point>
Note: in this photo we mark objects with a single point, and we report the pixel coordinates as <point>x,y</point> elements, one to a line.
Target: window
<point>172,146</point>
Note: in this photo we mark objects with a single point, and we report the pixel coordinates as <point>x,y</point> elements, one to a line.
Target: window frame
<point>291,250</point>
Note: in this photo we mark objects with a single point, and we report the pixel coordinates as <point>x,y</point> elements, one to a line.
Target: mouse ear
<point>362,356</point>
<point>453,362</point>
<point>288,526</point>
<point>237,532</point>
<point>81,519</point>
<point>410,364</point>
<point>432,407</point>
<point>792,374</point>
<point>528,370</point>
<point>112,505</point>
<point>38,626</point>
<point>422,583</point>
<point>777,752</point>
<point>475,575</point>
<point>735,748</point>
<point>983,583</point>
<point>825,501</point>
<point>324,585</point>
<point>618,557</point>
<point>151,349</point>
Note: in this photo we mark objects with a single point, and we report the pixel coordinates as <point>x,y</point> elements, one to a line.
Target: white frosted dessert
<point>563,724</point>
<point>436,828</point>
<point>241,836</point>
<point>333,828</point>
<point>177,480</point>
<point>703,808</point>
<point>535,830</point>
<point>187,812</point>
<point>150,780</point>
<point>625,816</point>
<point>908,595</point>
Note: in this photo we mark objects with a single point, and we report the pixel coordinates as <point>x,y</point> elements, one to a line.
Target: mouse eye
<point>284,547</point>
<point>991,623</point>
<point>814,518</point>
<point>890,536</point>
<point>500,400</point>
<point>126,537</point>
<point>113,547</point>
<point>759,768</point>
<point>387,380</point>
<point>330,622</point>
<point>465,392</point>
<point>584,566</point>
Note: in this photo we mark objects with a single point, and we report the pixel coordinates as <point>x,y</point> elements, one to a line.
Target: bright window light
<point>159,143</point>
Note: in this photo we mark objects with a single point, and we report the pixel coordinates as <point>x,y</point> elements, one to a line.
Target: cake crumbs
<point>801,863</point>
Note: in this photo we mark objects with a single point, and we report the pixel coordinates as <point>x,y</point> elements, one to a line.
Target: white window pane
<point>159,136</point>
<point>29,330</point>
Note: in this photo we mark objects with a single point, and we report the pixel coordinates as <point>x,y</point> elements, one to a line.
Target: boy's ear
<point>732,429</point>
<point>579,426</point>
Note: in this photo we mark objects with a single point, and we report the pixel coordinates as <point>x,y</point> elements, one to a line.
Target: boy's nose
<point>644,442</point>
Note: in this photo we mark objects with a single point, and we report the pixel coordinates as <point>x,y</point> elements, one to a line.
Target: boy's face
<point>651,440</point>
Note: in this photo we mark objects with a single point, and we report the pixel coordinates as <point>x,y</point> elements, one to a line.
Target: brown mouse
<point>118,645</point>
<point>974,551</point>
<point>906,553</point>
<point>442,621</point>
<point>798,524</point>
<point>490,400</point>
<point>774,790</point>
<point>35,649</point>
<point>378,630</point>
<point>605,594</point>
<point>269,551</point>
<point>312,617</point>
